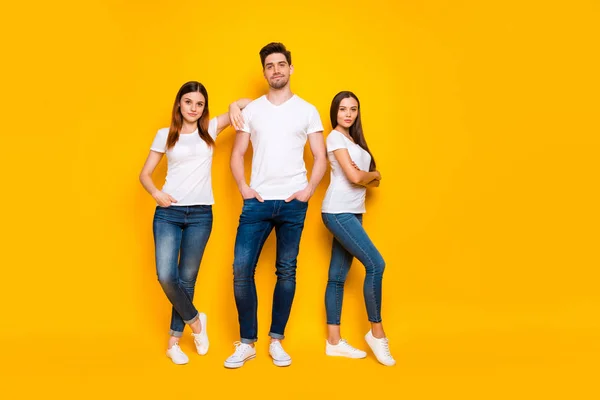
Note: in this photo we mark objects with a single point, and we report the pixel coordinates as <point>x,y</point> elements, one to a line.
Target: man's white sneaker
<point>343,349</point>
<point>278,354</point>
<point>176,355</point>
<point>243,352</point>
<point>201,339</point>
<point>381,349</point>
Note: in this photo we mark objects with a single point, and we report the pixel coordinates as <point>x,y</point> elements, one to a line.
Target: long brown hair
<point>356,131</point>
<point>177,117</point>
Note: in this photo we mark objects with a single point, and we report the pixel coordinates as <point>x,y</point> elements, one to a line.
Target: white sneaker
<point>343,349</point>
<point>278,354</point>
<point>201,339</point>
<point>178,356</point>
<point>381,349</point>
<point>243,352</point>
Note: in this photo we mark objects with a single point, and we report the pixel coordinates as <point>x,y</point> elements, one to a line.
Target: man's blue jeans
<point>256,223</point>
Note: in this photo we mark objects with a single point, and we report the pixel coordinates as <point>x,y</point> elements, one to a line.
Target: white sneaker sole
<point>177,363</point>
<point>353,356</point>
<point>282,363</point>
<point>238,364</point>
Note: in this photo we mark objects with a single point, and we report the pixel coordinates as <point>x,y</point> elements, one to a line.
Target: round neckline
<point>191,133</point>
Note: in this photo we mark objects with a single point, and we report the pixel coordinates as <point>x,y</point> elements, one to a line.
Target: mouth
<point>348,121</point>
<point>193,114</point>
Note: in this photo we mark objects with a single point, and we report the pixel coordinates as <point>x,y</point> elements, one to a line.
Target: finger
<point>259,198</point>
<point>292,197</point>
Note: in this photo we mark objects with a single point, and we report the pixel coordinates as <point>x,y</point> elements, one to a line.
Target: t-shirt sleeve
<point>212,128</point>
<point>160,141</point>
<point>246,114</point>
<point>314,122</point>
<point>335,141</point>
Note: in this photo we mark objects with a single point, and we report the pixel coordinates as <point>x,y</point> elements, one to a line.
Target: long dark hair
<point>177,117</point>
<point>356,131</point>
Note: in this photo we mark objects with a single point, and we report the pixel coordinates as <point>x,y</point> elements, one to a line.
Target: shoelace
<point>176,348</point>
<point>386,348</point>
<point>348,346</point>
<point>239,349</point>
<point>278,350</point>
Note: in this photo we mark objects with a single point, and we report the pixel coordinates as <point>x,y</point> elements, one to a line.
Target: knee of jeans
<point>242,271</point>
<point>378,266</point>
<point>187,283</point>
<point>335,281</point>
<point>286,272</point>
<point>165,278</point>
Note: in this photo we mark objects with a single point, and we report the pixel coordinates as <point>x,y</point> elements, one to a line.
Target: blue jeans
<point>350,240</point>
<point>256,223</point>
<point>180,237</point>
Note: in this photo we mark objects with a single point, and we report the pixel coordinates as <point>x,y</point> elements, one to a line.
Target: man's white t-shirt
<point>189,166</point>
<point>342,195</point>
<point>278,135</point>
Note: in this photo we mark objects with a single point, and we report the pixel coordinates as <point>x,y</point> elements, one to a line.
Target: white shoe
<point>243,352</point>
<point>178,356</point>
<point>278,354</point>
<point>343,349</point>
<point>201,339</point>
<point>381,349</point>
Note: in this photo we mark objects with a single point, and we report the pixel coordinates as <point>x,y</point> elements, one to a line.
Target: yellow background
<point>483,120</point>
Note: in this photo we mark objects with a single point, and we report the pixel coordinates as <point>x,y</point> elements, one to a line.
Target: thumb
<point>172,199</point>
<point>292,197</point>
<point>259,198</point>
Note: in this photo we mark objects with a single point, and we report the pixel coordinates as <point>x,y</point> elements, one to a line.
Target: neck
<point>188,127</point>
<point>279,96</point>
<point>344,131</point>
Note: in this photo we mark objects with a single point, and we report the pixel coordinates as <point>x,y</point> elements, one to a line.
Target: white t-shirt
<point>189,166</point>
<point>278,135</point>
<point>342,195</point>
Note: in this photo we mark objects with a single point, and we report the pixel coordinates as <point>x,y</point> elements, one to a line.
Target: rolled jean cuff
<point>175,333</point>
<point>191,321</point>
<point>375,320</point>
<point>247,341</point>
<point>276,336</point>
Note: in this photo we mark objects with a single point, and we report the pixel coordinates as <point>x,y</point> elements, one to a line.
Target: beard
<point>278,84</point>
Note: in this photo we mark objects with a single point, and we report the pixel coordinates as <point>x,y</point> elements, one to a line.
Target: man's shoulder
<point>256,103</point>
<point>303,103</point>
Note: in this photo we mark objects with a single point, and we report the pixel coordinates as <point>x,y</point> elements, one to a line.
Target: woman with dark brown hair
<point>183,217</point>
<point>353,170</point>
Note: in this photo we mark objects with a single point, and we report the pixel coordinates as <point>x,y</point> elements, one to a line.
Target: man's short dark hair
<point>272,48</point>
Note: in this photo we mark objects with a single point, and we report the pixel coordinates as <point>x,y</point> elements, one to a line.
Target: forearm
<point>364,178</point>
<point>242,103</point>
<point>237,169</point>
<point>148,184</point>
<point>317,173</point>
